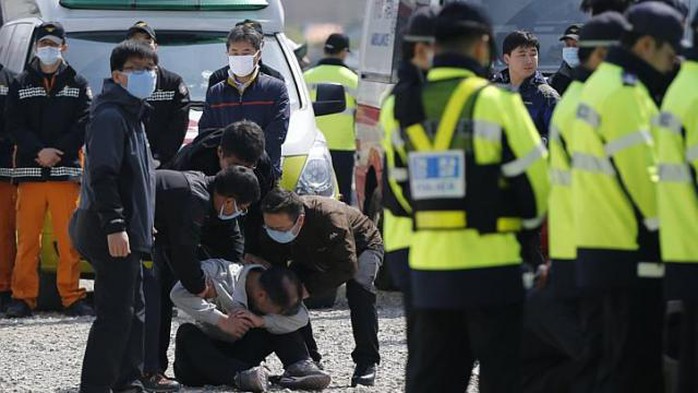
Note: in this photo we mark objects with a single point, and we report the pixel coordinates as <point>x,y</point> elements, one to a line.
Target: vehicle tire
<point>48,300</point>
<point>321,302</point>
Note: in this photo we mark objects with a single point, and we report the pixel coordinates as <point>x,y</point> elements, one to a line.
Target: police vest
<point>337,128</point>
<point>677,190</point>
<point>613,192</point>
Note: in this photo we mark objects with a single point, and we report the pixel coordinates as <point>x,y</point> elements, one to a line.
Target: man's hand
<point>250,259</point>
<point>255,320</point>
<point>119,246</point>
<point>49,157</point>
<point>236,327</point>
<point>209,292</point>
<point>541,280</point>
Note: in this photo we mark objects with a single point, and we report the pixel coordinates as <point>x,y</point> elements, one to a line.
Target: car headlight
<point>317,176</point>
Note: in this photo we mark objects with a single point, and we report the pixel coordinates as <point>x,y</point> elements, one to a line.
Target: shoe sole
<point>355,383</point>
<point>261,376</point>
<point>310,382</point>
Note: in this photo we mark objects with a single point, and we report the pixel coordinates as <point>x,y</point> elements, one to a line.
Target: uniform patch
<point>162,95</point>
<point>629,79</point>
<point>31,92</point>
<point>437,175</point>
<point>3,90</point>
<point>183,90</point>
<point>72,92</point>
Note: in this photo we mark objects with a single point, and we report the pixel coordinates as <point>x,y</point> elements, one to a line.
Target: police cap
<point>457,19</point>
<point>52,31</point>
<point>336,43</point>
<point>420,27</point>
<point>603,30</point>
<point>141,27</point>
<point>678,5</point>
<point>572,32</point>
<point>657,20</point>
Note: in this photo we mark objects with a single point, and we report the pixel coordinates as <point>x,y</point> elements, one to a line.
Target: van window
<point>192,55</point>
<point>5,40</point>
<point>19,47</point>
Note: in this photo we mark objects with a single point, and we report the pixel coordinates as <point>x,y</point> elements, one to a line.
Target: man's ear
<point>506,58</point>
<point>119,78</point>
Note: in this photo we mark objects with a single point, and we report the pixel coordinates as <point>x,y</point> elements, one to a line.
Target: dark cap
<point>572,32</point>
<point>603,30</point>
<point>461,18</point>
<point>52,31</point>
<point>336,43</point>
<point>678,5</point>
<point>253,24</point>
<point>658,20</point>
<point>141,27</point>
<point>420,27</point>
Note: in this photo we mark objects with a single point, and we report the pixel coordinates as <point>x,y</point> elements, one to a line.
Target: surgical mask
<point>571,56</point>
<point>49,55</point>
<point>283,237</point>
<point>242,65</point>
<point>141,84</point>
<point>227,217</point>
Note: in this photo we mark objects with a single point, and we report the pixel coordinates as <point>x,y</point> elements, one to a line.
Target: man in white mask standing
<point>248,94</point>
<point>47,109</point>
<point>570,59</point>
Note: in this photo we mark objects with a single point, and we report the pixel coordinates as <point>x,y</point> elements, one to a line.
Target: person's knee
<point>185,332</point>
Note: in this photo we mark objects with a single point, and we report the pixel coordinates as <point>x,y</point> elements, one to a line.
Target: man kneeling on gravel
<point>246,313</point>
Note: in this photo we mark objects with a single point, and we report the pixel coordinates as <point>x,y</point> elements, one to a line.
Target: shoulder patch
<point>88,92</point>
<point>629,79</point>
<point>183,90</point>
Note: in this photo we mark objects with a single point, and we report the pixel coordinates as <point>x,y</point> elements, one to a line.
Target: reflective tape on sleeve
<point>628,141</point>
<point>519,166</point>
<point>692,153</point>
<point>398,174</point>
<point>588,115</point>
<point>589,163</point>
<point>674,173</point>
<point>651,223</point>
<point>533,222</point>
<point>487,130</point>
<point>668,122</point>
<point>560,177</point>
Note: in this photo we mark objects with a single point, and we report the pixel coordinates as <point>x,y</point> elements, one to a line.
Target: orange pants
<point>33,200</point>
<point>8,241</point>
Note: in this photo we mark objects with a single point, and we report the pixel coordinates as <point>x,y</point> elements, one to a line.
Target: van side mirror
<point>329,99</point>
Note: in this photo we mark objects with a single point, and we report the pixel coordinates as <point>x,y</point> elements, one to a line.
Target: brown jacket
<point>326,250</point>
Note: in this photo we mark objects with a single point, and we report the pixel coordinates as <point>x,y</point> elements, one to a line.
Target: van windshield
<point>192,55</point>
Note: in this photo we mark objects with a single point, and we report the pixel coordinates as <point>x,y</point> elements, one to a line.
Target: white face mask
<point>242,65</point>
<point>48,55</point>
<point>571,56</point>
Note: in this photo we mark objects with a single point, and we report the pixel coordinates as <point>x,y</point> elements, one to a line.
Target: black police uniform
<point>167,124</point>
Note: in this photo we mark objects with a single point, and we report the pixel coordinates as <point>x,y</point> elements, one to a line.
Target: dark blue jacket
<point>264,102</point>
<point>6,145</point>
<point>540,99</point>
<point>119,180</point>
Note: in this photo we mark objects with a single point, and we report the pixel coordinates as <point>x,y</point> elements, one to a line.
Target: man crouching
<point>247,313</point>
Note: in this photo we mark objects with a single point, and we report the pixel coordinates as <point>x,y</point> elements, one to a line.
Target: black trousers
<point>447,343</point>
<point>398,263</point>
<point>114,353</point>
<point>201,360</point>
<point>343,164</point>
<point>364,326</point>
<point>688,350</point>
<point>157,284</point>
<point>631,354</point>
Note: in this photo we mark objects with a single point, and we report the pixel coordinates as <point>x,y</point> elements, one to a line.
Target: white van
<point>191,42</point>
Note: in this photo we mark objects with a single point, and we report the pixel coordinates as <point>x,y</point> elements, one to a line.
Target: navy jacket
<point>221,74</point>
<point>6,145</point>
<point>119,180</point>
<point>540,99</point>
<point>39,115</point>
<point>264,102</point>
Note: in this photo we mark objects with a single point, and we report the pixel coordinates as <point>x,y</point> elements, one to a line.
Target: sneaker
<point>79,309</point>
<point>255,379</point>
<point>159,383</point>
<point>18,309</point>
<point>304,375</point>
<point>364,374</point>
<point>5,300</point>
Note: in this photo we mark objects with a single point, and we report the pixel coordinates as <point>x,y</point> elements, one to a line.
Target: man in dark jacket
<point>521,55</point>
<point>8,192</point>
<point>248,94</point>
<point>222,74</point>
<point>191,216</point>
<point>329,243</point>
<point>570,59</point>
<point>167,124</point>
<point>113,225</point>
<point>47,109</point>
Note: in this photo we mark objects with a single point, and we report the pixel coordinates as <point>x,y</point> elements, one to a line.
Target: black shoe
<point>5,300</point>
<point>304,375</point>
<point>18,309</point>
<point>364,374</point>
<point>159,383</point>
<point>79,309</point>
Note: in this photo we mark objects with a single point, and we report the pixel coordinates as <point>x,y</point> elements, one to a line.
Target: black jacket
<point>119,183</point>
<point>562,79</point>
<point>201,155</point>
<point>6,145</point>
<point>221,74</point>
<point>188,228</point>
<point>39,115</point>
<point>166,126</point>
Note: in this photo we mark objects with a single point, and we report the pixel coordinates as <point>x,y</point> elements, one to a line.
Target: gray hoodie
<point>229,280</point>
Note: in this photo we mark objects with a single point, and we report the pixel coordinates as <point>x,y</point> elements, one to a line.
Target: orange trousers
<point>34,199</point>
<point>8,241</point>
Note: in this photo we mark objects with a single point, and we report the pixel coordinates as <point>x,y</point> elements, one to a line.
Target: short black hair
<point>243,139</point>
<point>245,33</point>
<point>237,182</point>
<point>584,54</point>
<point>283,287</point>
<point>130,49</point>
<point>519,38</point>
<point>284,201</point>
